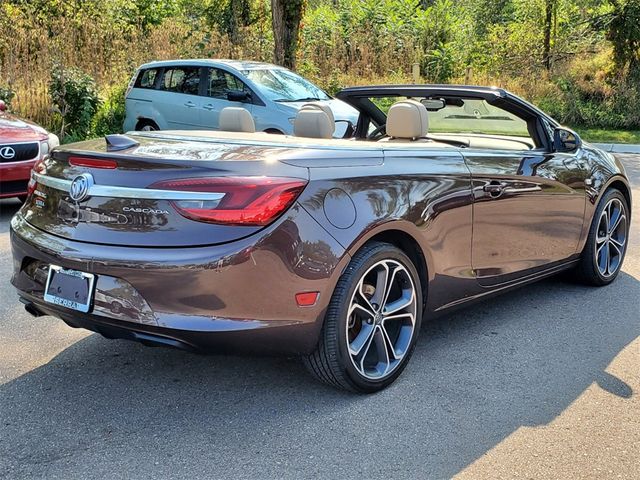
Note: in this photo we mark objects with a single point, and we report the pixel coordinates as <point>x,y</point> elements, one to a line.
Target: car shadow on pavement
<point>114,408</point>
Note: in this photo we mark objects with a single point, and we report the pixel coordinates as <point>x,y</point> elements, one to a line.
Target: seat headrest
<point>313,123</point>
<point>407,119</point>
<point>236,119</point>
<point>324,107</point>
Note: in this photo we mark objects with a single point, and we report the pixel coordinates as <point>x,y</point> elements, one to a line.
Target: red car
<point>22,143</point>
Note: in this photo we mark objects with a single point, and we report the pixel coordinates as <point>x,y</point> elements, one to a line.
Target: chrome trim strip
<point>23,143</point>
<point>126,192</point>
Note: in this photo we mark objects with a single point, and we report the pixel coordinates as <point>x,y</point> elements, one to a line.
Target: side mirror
<point>238,96</point>
<point>344,129</point>
<point>3,106</point>
<point>565,140</point>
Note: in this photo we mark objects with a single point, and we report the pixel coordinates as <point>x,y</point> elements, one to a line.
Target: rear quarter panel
<point>142,103</point>
<point>426,195</point>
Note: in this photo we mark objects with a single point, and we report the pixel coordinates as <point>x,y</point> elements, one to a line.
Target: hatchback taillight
<point>246,201</point>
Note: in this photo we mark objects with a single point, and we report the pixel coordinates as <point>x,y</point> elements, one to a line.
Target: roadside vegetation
<point>66,63</point>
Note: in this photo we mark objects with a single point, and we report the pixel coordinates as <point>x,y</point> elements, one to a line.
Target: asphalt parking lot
<point>541,383</point>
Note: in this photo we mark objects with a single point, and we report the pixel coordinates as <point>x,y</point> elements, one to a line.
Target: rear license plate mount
<point>69,288</point>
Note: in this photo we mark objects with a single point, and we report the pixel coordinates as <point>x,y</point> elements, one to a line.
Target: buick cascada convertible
<point>332,249</point>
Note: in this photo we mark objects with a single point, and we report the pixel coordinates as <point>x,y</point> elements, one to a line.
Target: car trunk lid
<point>146,195</point>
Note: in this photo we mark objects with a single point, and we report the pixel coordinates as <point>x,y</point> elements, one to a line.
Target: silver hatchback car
<point>189,95</point>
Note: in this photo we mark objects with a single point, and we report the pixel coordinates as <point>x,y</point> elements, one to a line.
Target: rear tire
<point>606,244</point>
<point>147,126</point>
<point>372,322</point>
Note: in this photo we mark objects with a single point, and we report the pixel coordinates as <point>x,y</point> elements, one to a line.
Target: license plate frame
<point>61,282</point>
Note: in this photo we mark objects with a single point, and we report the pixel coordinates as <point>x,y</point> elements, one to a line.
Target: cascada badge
<point>80,187</point>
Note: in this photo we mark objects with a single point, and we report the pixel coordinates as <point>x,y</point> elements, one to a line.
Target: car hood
<point>14,129</point>
<point>340,109</point>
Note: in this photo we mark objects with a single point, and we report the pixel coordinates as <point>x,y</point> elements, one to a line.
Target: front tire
<point>372,322</point>
<point>606,244</point>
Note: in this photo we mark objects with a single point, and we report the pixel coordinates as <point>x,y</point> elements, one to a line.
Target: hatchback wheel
<point>147,126</point>
<point>372,322</point>
<point>606,245</point>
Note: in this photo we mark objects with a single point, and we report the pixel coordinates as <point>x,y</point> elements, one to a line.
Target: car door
<point>177,97</point>
<point>528,210</point>
<point>219,85</point>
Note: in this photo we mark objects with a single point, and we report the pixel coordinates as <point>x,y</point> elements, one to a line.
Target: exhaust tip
<point>31,308</point>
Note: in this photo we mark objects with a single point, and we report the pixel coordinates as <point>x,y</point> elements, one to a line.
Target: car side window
<point>181,80</point>
<point>220,83</point>
<point>147,78</point>
<point>473,120</point>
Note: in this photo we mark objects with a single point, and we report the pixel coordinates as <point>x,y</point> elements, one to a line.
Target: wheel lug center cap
<point>378,318</point>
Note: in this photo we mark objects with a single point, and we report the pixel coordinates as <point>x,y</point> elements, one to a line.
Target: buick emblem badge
<point>80,186</point>
<point>7,153</point>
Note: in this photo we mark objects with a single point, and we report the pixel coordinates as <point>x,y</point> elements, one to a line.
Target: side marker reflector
<point>307,299</point>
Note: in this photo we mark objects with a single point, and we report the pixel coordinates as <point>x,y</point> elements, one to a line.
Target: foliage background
<point>577,59</point>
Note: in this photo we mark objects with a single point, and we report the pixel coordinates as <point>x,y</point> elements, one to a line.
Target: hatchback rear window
<point>147,78</point>
<point>181,80</point>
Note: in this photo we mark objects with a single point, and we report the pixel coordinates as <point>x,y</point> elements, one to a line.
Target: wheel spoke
<point>617,221</point>
<point>602,257</point>
<point>618,243</point>
<point>368,310</point>
<point>389,286</point>
<point>382,275</point>
<point>400,304</point>
<point>604,220</point>
<point>363,296</point>
<point>382,351</point>
<point>401,316</point>
<point>616,248</point>
<point>362,341</point>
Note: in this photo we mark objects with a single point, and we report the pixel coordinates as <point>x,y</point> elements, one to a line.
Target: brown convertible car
<point>335,249</point>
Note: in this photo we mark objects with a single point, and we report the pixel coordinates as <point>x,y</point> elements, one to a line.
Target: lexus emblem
<point>80,187</point>
<point>7,153</point>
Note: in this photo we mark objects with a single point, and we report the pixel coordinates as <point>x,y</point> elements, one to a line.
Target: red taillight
<point>247,200</point>
<point>93,162</point>
<point>31,186</point>
<point>38,167</point>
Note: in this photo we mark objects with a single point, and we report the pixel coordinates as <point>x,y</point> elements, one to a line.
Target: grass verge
<point>599,135</point>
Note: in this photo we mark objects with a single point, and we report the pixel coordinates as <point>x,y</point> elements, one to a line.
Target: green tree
<point>624,34</point>
<point>286,16</point>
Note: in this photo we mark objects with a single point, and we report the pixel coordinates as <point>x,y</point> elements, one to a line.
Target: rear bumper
<point>235,298</point>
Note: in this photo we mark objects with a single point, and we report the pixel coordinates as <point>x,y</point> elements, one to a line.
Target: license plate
<point>69,288</point>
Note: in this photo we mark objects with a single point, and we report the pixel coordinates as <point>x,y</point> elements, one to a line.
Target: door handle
<point>495,188</point>
<point>209,107</point>
<point>190,104</point>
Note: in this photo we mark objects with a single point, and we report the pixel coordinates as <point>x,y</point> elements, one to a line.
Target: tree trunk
<point>548,24</point>
<point>286,16</point>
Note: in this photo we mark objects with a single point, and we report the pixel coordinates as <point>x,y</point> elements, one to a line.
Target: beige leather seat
<point>407,121</point>
<point>313,122</point>
<point>324,107</point>
<point>236,119</point>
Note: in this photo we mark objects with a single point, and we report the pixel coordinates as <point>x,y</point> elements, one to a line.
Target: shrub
<point>75,97</point>
<point>110,115</point>
<point>7,94</point>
